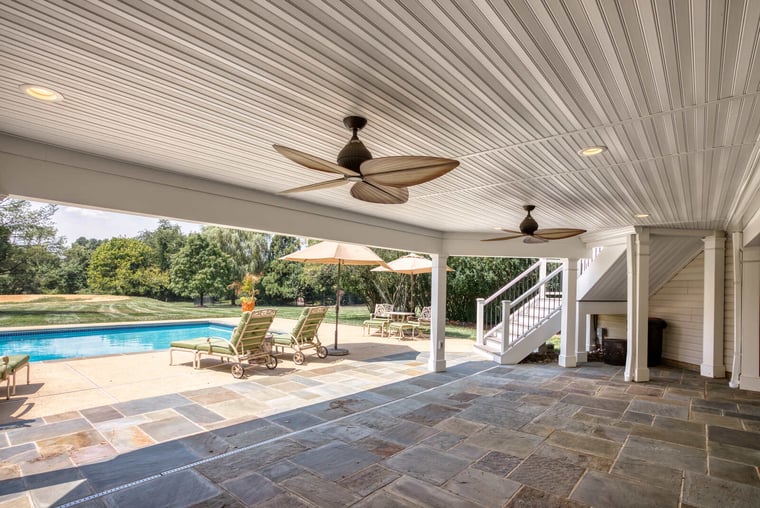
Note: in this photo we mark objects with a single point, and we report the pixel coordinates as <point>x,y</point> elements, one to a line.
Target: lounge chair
<point>379,319</point>
<point>423,320</point>
<point>248,343</point>
<point>303,335</point>
<point>11,364</point>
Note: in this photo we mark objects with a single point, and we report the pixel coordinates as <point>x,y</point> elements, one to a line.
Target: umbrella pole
<point>336,351</point>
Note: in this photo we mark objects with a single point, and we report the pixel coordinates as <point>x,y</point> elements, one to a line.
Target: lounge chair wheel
<point>322,352</point>
<point>237,370</point>
<point>271,362</point>
<point>298,358</point>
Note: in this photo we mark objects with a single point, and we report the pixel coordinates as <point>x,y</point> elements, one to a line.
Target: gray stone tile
<point>601,489</point>
<point>648,472</point>
<point>430,414</point>
<point>229,467</point>
<point>668,435</point>
<point>379,447</point>
<point>596,402</point>
<point>583,460</point>
<point>382,499</point>
<point>679,425</point>
<point>137,465</point>
<point>205,444</point>
<point>251,432</point>
<point>734,471</point>
<point>29,434</point>
<point>335,460</point>
<point>10,453</point>
<point>169,428</point>
<point>486,489</point>
<point>285,500</point>
<point>528,497</point>
<point>178,490</point>
<point>281,470</point>
<point>734,437</point>
<point>101,414</point>
<point>444,440</point>
<point>347,432</point>
<point>408,433</point>
<point>498,463</point>
<point>149,404</point>
<point>368,480</point>
<point>554,476</point>
<point>707,492</point>
<point>634,417</point>
<point>198,414</point>
<point>661,407</point>
<point>427,464</point>
<point>666,454</point>
<point>586,444</point>
<point>296,420</point>
<point>222,500</point>
<point>496,415</point>
<point>420,493</point>
<point>319,492</point>
<point>734,453</point>
<point>512,442</point>
<point>252,488</point>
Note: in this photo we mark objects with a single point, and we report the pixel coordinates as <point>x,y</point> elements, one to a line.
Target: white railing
<point>584,263</point>
<point>511,306</point>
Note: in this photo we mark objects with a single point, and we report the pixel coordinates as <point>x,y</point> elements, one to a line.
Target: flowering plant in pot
<point>246,290</point>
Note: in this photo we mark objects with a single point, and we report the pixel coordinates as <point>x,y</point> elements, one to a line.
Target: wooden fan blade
<point>534,239</point>
<point>516,234</point>
<point>313,162</point>
<point>379,194</point>
<point>404,171</point>
<point>558,234</point>
<point>316,186</point>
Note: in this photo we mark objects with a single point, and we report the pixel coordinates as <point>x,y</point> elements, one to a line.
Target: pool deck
<point>374,429</point>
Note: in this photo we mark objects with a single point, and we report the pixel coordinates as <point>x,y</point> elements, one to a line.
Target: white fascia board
<point>49,173</point>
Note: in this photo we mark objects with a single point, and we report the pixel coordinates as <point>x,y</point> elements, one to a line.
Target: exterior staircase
<point>521,316</point>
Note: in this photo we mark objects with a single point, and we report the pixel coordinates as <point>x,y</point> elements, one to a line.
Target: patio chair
<point>423,320</point>
<point>379,319</point>
<point>248,343</point>
<point>303,336</point>
<point>11,364</point>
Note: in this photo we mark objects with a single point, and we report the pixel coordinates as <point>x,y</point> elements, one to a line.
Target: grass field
<point>76,309</point>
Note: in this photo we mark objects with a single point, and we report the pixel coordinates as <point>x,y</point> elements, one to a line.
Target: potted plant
<point>246,290</point>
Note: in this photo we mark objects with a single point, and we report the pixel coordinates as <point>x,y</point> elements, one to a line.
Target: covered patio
<point>375,429</point>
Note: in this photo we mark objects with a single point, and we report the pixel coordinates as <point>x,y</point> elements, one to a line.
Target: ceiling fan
<point>383,180</point>
<point>529,229</point>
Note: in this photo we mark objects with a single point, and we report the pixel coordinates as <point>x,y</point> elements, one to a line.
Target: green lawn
<point>55,310</point>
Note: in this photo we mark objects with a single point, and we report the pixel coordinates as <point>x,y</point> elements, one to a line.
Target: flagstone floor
<point>378,430</point>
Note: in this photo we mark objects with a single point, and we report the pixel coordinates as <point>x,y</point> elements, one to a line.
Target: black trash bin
<point>654,341</point>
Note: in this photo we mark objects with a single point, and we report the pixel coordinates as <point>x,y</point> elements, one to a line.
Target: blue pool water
<point>55,344</point>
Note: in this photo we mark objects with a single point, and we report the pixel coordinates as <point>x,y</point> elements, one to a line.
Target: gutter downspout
<point>736,241</point>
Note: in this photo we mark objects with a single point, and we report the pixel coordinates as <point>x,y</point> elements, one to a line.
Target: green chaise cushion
<point>15,362</point>
<point>202,342</point>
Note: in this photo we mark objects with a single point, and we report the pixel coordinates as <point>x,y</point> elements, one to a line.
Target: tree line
<point>166,264</point>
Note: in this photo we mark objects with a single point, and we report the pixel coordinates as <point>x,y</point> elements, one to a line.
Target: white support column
<point>638,306</point>
<point>581,320</point>
<point>437,361</point>
<point>568,348</point>
<point>714,285</point>
<point>542,276</point>
<point>750,373</point>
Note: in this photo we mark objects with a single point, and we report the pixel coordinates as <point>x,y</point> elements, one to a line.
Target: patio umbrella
<point>411,264</point>
<point>334,253</point>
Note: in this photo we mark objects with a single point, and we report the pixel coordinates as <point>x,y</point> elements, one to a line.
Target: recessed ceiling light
<point>41,93</point>
<point>641,215</point>
<point>592,150</point>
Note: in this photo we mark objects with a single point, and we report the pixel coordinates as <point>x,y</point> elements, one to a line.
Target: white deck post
<point>479,321</point>
<point>638,306</point>
<point>437,361</point>
<point>505,338</point>
<point>713,364</point>
<point>542,276</point>
<point>750,370</point>
<point>568,345</point>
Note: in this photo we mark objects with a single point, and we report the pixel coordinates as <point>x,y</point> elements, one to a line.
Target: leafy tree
<point>200,268</point>
<point>282,281</point>
<point>72,274</point>
<point>165,241</point>
<point>29,247</point>
<point>124,266</point>
<point>247,250</point>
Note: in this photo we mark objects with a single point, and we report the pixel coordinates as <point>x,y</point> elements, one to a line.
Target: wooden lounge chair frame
<point>249,343</point>
<point>10,366</point>
<point>379,319</point>
<point>303,336</point>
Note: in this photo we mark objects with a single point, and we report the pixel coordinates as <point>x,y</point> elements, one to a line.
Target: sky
<point>73,222</point>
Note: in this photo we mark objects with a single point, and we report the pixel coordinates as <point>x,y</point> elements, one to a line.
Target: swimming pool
<point>59,343</point>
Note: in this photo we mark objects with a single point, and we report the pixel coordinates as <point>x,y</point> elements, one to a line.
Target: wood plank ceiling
<point>511,89</point>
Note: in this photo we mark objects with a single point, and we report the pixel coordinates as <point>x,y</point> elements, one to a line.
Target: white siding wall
<point>728,309</point>
<point>616,325</point>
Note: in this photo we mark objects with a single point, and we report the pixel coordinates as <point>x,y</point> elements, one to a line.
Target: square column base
<point>713,371</point>
<point>568,361</point>
<point>436,365</point>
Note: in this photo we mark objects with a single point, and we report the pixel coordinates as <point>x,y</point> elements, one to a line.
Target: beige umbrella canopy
<point>334,253</point>
<point>411,264</point>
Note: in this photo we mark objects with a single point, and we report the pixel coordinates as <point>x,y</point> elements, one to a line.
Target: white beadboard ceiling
<point>510,89</point>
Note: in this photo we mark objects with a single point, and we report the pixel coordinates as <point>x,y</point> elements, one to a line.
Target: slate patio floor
<point>476,435</point>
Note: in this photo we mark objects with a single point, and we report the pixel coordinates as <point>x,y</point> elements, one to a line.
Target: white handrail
<point>512,283</point>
